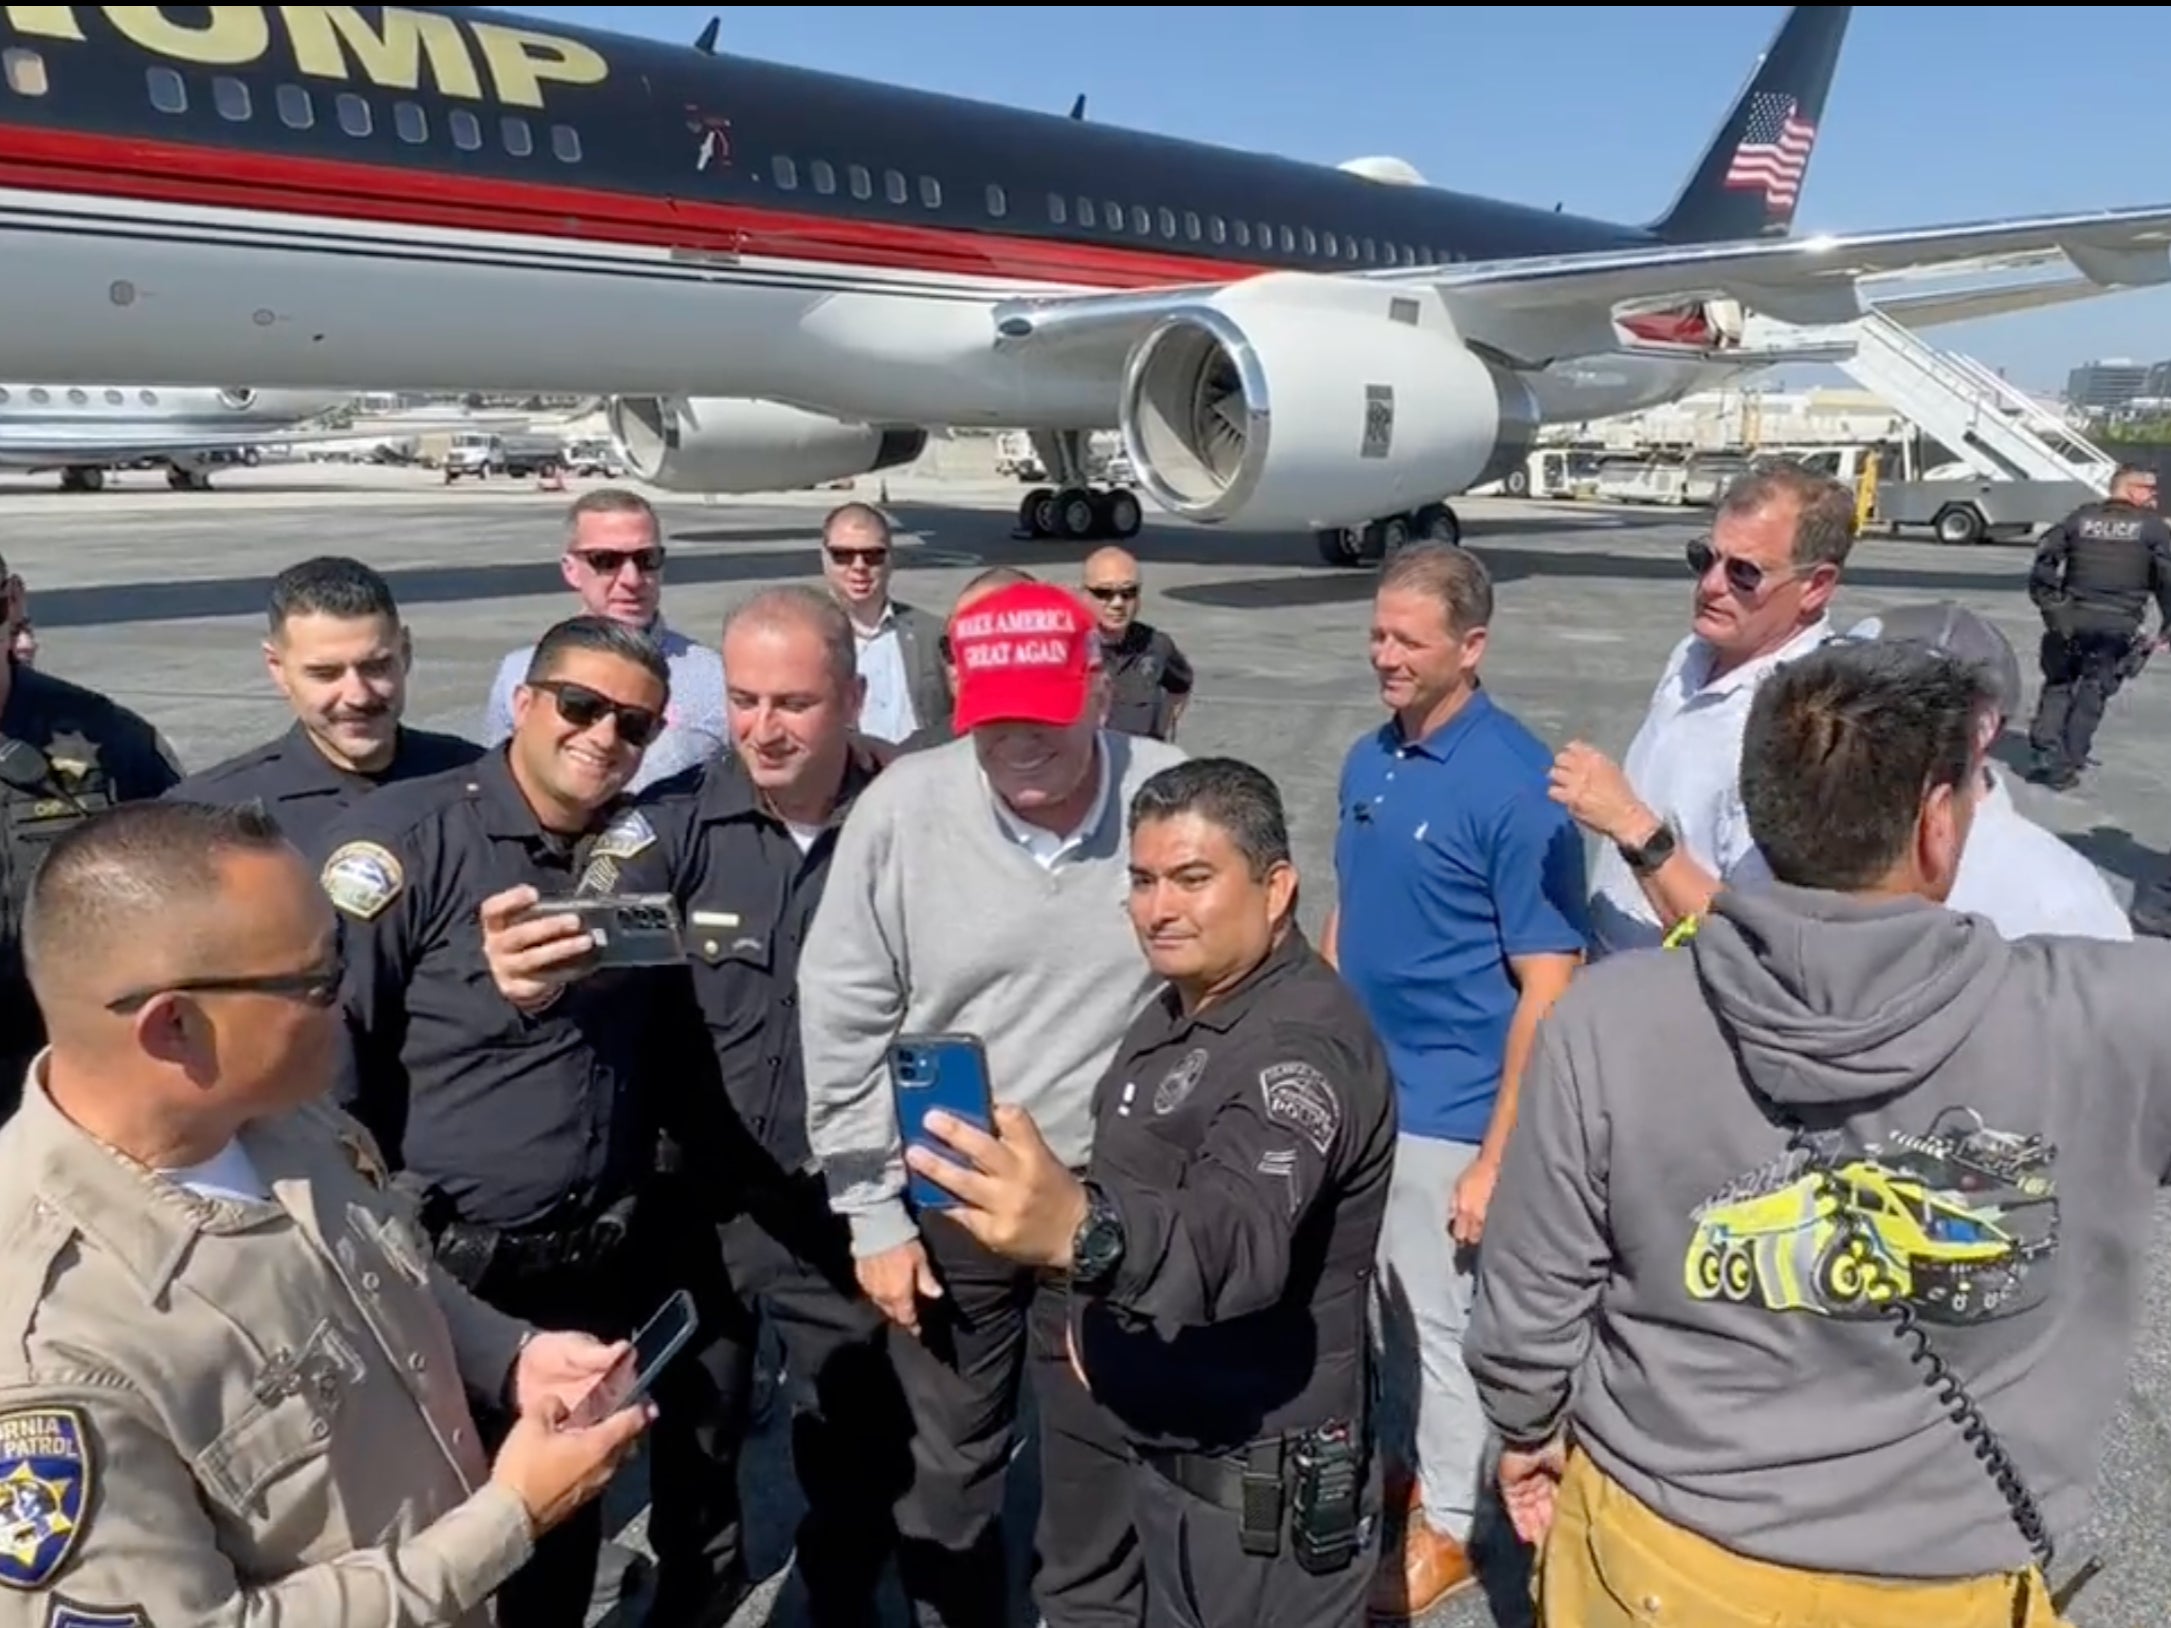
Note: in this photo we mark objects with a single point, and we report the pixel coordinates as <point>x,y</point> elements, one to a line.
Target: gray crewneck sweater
<point>935,919</point>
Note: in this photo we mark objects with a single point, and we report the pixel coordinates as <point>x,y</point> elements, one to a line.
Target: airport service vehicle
<point>483,453</point>
<point>782,276</point>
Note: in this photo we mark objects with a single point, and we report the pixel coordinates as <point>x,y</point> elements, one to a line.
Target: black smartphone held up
<point>946,1071</point>
<point>661,1338</point>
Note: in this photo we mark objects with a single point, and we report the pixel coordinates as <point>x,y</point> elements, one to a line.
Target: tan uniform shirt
<point>216,1412</point>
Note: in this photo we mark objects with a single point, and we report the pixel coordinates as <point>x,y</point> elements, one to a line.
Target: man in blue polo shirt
<point>1460,919</point>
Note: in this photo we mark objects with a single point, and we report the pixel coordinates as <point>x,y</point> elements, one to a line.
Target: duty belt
<point>472,1253</point>
<point>1249,1485</point>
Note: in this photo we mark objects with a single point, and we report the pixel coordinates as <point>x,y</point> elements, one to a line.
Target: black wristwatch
<point>1655,851</point>
<point>1096,1248</point>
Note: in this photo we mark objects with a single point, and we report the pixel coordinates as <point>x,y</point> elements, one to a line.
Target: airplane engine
<point>737,444</point>
<point>1278,413</point>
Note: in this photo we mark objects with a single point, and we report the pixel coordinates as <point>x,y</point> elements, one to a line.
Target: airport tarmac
<point>157,598</point>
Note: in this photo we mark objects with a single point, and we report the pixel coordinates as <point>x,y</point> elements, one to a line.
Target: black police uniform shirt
<point>65,753</point>
<point>306,792</point>
<point>1147,676</point>
<point>2096,570</point>
<point>747,893</point>
<point>519,1119</point>
<point>1247,1149</point>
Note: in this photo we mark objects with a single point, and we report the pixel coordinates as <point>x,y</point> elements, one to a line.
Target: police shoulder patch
<point>45,1493</point>
<point>1297,1095</point>
<point>66,1613</point>
<point>362,878</point>
<point>625,837</point>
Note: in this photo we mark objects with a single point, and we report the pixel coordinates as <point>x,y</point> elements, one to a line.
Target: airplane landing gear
<point>1382,539</point>
<point>188,479</point>
<point>81,478</point>
<point>1073,509</point>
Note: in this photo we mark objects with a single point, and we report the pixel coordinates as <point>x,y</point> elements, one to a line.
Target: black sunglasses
<point>858,556</point>
<point>1113,592</point>
<point>584,708</point>
<point>1743,576</point>
<point>608,562</point>
<point>318,987</point>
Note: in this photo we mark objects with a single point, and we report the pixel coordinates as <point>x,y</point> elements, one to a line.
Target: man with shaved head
<point>744,846</point>
<point>1149,680</point>
<point>232,1388</point>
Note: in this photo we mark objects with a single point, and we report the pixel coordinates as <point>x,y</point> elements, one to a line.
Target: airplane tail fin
<point>1751,177</point>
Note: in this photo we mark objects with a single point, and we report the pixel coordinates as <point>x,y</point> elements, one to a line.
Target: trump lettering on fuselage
<point>476,61</point>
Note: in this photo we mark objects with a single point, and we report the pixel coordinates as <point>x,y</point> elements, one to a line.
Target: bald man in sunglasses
<point>522,1138</point>
<point>1670,820</point>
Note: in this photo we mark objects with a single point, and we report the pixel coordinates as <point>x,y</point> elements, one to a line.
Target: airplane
<point>83,430</point>
<point>454,198</point>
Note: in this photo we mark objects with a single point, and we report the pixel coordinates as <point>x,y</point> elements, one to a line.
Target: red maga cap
<point>1026,653</point>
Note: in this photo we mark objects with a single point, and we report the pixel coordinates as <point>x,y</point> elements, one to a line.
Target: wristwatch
<point>1655,851</point>
<point>1096,1248</point>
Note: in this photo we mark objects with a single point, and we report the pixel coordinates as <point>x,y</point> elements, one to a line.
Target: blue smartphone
<point>946,1071</point>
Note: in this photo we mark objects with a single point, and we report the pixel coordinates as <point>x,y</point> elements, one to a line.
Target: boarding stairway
<point>1999,431</point>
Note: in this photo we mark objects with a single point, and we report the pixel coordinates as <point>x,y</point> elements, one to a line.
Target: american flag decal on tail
<point>1774,151</point>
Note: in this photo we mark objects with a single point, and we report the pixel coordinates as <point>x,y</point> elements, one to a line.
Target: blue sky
<point>1938,113</point>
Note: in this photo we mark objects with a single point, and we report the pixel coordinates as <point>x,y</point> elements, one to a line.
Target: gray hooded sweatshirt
<point>1661,1274</point>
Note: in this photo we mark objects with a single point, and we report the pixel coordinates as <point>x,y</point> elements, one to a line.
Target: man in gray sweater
<point>978,887</point>
<point>1753,1176</point>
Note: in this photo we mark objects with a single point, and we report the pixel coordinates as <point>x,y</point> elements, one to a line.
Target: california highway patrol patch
<point>67,1614</point>
<point>362,878</point>
<point>45,1488</point>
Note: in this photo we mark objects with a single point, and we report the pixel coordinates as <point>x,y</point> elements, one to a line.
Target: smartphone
<point>628,929</point>
<point>661,1338</point>
<point>946,1071</point>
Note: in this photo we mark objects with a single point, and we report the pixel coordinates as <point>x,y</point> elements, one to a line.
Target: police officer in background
<point>340,655</point>
<point>1220,1245</point>
<point>2094,573</point>
<point>745,847</point>
<point>65,753</point>
<point>522,1136</point>
<point>1149,679</point>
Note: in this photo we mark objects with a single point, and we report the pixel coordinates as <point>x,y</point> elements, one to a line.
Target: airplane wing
<point>1974,304</point>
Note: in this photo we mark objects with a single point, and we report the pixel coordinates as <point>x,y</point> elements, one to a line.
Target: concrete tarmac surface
<point>157,598</point>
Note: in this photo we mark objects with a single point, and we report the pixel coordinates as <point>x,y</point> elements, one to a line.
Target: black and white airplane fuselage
<point>448,198</point>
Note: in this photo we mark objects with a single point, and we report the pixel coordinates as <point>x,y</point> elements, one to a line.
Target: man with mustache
<point>340,655</point>
<point>978,887</point>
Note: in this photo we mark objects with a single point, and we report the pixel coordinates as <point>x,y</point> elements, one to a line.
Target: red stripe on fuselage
<point>43,160</point>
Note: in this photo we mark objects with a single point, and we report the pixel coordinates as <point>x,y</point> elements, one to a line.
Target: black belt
<point>473,1253</point>
<point>1250,1485</point>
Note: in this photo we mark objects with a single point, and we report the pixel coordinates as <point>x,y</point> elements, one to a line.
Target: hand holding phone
<point>631,1377</point>
<point>948,1072</point>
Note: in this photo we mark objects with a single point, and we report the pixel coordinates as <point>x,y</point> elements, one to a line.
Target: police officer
<point>231,1387</point>
<point>65,753</point>
<point>2094,573</point>
<point>340,655</point>
<point>744,846</point>
<point>1149,679</point>
<point>522,1136</point>
<point>1220,1246</point>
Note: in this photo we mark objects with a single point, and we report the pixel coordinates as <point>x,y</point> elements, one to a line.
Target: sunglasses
<point>584,708</point>
<point>1745,577</point>
<point>858,556</point>
<point>318,987</point>
<point>608,562</point>
<point>1113,593</point>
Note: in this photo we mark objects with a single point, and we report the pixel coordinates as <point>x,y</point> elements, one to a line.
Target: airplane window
<point>518,138</point>
<point>1167,218</point>
<point>168,94</point>
<point>78,398</point>
<point>24,72</point>
<point>411,123</point>
<point>1369,246</point>
<point>565,144</point>
<point>784,172</point>
<point>115,398</point>
<point>1085,212</point>
<point>1218,229</point>
<point>1333,247</point>
<point>1191,224</point>
<point>998,204</point>
<point>4,393</point>
<point>353,114</point>
<point>1311,243</point>
<point>1058,210</point>
<point>41,395</point>
<point>149,398</point>
<point>1349,248</point>
<point>1112,213</point>
<point>824,177</point>
<point>296,111</point>
<point>1243,234</point>
<point>1288,240</point>
<point>466,130</point>
<point>894,187</point>
<point>862,182</point>
<point>231,98</point>
<point>930,192</point>
<point>1266,236</point>
<point>1141,222</point>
